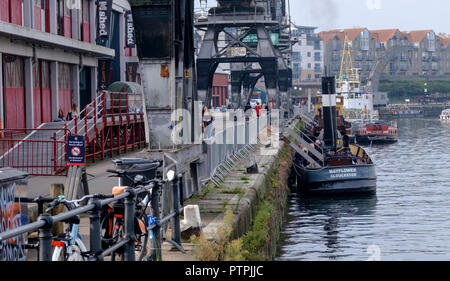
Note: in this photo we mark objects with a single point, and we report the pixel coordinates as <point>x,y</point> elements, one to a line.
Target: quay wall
<point>250,231</point>
<point>430,110</point>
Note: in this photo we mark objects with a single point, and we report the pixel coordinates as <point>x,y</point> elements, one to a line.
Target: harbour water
<point>408,218</point>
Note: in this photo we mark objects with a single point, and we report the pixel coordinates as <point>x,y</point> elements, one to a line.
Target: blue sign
<point>75,151</point>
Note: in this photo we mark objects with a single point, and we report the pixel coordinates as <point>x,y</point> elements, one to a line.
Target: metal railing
<point>45,222</point>
<point>230,144</point>
<point>38,153</point>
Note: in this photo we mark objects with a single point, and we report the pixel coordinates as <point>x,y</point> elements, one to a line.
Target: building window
<point>317,45</point>
<point>317,56</point>
<point>85,24</point>
<point>309,54</point>
<point>317,67</point>
<point>365,40</point>
<point>309,66</point>
<point>431,40</point>
<point>296,56</point>
<point>11,11</point>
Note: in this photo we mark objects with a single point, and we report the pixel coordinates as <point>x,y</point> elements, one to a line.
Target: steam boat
<point>325,162</point>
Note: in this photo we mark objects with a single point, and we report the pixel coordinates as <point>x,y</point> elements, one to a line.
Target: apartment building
<point>307,58</point>
<point>428,57</point>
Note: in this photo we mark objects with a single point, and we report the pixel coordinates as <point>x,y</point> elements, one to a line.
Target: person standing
<point>258,109</point>
<point>207,122</point>
<point>73,113</point>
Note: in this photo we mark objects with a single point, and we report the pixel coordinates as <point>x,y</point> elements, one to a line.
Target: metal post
<point>55,157</point>
<point>247,130</point>
<point>176,235</point>
<point>94,229</point>
<point>130,201</point>
<point>257,127</point>
<point>45,238</point>
<point>76,125</point>
<point>235,134</point>
<point>156,253</point>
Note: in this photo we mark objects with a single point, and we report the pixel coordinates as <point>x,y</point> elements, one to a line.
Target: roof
<point>416,36</point>
<point>329,35</point>
<point>383,35</point>
<point>352,33</point>
<point>444,40</point>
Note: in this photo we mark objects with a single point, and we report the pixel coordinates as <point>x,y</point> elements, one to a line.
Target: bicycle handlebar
<point>68,203</point>
<point>136,183</point>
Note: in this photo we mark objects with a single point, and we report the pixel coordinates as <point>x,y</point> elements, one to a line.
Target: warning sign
<point>75,151</point>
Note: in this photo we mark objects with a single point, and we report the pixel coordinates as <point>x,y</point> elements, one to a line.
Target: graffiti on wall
<point>10,218</point>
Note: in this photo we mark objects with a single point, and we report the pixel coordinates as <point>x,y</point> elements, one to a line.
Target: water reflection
<point>326,220</point>
<point>407,219</point>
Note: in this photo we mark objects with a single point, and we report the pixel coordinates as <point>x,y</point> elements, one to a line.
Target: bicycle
<point>146,245</point>
<point>40,201</point>
<point>70,246</point>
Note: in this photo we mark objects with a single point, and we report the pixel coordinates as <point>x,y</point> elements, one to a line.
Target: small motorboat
<point>377,132</point>
<point>445,115</point>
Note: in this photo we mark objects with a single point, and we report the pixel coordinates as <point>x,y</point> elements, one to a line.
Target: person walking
<point>258,109</point>
<point>247,107</point>
<point>207,122</point>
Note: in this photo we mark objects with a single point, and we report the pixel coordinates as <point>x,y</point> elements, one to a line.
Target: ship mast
<point>348,74</point>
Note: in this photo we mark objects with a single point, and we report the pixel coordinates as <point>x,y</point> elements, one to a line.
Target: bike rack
<point>45,222</point>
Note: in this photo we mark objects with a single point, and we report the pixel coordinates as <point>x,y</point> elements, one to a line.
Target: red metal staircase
<point>113,123</point>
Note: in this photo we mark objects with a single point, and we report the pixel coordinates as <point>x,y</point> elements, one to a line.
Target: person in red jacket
<point>258,109</point>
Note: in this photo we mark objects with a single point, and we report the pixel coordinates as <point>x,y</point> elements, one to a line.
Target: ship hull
<point>376,139</point>
<point>355,179</point>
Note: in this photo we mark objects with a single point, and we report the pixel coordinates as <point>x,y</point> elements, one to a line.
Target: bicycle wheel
<point>70,253</point>
<point>150,246</point>
<point>154,249</point>
<point>58,254</point>
<point>118,234</point>
<point>74,253</point>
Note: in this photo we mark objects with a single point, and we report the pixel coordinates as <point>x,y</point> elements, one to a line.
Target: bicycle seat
<point>136,164</point>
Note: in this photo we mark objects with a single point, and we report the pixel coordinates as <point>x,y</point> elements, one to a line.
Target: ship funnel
<point>329,112</point>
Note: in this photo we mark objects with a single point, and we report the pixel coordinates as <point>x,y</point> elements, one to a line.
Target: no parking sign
<point>75,151</point>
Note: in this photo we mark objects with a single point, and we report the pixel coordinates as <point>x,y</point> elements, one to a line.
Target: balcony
<point>435,59</point>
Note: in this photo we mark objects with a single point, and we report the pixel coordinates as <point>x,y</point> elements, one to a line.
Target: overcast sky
<point>373,14</point>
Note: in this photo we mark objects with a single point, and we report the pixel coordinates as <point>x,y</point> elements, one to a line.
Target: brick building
<point>220,89</point>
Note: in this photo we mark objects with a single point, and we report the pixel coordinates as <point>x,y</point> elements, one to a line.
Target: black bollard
<point>129,203</point>
<point>94,229</point>
<point>45,238</point>
<point>176,235</point>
